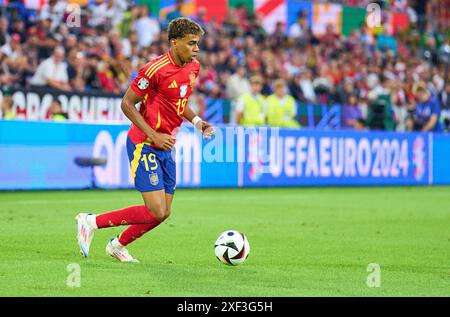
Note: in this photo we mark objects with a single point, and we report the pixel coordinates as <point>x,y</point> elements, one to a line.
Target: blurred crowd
<point>382,81</point>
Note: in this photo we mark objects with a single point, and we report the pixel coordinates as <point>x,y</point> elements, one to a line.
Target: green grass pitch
<point>304,242</point>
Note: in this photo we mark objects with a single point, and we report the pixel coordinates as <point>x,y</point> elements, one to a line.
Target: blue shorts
<point>151,169</point>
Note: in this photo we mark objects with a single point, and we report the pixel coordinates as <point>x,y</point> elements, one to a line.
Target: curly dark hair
<point>180,27</point>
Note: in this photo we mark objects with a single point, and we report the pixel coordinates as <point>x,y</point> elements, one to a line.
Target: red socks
<point>128,216</point>
<point>135,231</point>
<point>139,217</point>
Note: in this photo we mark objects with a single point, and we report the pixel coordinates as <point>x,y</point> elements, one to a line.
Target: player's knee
<point>161,212</point>
<point>164,214</point>
<point>167,213</point>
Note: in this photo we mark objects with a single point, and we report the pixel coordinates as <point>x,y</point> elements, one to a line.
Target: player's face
<point>187,47</point>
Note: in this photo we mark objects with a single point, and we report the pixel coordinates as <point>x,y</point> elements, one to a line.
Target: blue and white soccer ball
<point>232,247</point>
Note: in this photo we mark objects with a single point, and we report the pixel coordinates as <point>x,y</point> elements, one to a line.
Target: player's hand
<point>163,141</point>
<point>207,130</point>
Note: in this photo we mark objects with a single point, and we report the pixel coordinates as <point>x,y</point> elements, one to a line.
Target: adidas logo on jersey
<point>173,84</point>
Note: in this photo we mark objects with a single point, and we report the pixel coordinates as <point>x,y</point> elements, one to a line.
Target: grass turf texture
<point>304,242</point>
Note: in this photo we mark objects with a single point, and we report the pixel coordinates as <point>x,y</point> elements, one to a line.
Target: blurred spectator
<point>7,106</point>
<point>101,47</point>
<point>250,106</point>
<point>428,111</point>
<point>376,89</point>
<point>55,111</point>
<point>231,25</point>
<point>444,96</point>
<point>90,75</point>
<point>330,38</point>
<point>11,47</point>
<point>53,10</point>
<point>400,105</point>
<point>255,28</point>
<point>294,87</point>
<point>444,99</point>
<point>297,29</point>
<point>4,32</point>
<point>146,27</point>
<point>278,37</point>
<point>115,10</point>
<point>201,17</point>
<point>14,62</point>
<point>237,84</point>
<point>242,15</point>
<point>281,107</point>
<point>306,87</point>
<point>352,116</point>
<point>99,15</point>
<point>344,90</point>
<point>77,71</point>
<point>128,43</point>
<point>386,42</point>
<point>108,75</point>
<point>18,27</point>
<point>52,72</point>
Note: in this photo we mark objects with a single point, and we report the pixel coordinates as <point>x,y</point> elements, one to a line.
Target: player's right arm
<point>131,98</point>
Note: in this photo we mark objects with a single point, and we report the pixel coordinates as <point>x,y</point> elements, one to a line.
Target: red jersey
<point>165,88</point>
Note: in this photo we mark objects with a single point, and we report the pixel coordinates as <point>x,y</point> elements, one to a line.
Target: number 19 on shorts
<point>150,162</point>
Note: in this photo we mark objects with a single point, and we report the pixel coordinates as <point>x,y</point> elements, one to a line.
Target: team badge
<point>142,83</point>
<point>192,78</point>
<point>183,90</point>
<point>154,180</point>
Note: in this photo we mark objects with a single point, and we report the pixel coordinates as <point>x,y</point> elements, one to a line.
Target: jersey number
<point>152,159</point>
<point>181,106</point>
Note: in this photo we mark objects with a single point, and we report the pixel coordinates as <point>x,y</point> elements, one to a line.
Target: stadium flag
<point>188,8</point>
<point>352,18</point>
<point>324,14</point>
<point>294,7</point>
<point>399,22</point>
<point>272,12</point>
<point>152,5</point>
<point>214,9</point>
<point>248,3</point>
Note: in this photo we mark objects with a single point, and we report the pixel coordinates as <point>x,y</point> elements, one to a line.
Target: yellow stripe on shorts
<point>136,157</point>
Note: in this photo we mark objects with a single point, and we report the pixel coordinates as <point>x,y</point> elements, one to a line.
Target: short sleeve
<point>144,81</point>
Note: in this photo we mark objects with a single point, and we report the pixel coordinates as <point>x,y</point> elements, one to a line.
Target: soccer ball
<point>232,247</point>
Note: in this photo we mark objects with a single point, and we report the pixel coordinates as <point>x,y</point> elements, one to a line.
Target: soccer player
<point>162,87</point>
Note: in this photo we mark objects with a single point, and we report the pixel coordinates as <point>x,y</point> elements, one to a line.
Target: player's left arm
<point>203,126</point>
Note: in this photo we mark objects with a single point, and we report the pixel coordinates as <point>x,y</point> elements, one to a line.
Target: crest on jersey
<point>154,180</point>
<point>183,90</point>
<point>142,83</point>
<point>192,79</point>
